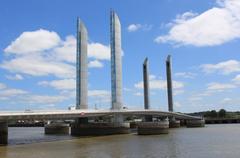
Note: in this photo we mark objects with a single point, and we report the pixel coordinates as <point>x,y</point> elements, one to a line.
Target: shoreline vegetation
<point>219,117</point>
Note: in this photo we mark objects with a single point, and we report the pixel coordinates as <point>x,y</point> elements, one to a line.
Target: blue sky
<point>37,52</point>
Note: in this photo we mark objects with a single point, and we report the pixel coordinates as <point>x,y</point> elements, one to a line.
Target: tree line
<point>213,113</point>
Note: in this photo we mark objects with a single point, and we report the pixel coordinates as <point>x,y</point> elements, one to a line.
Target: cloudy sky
<point>38,54</point>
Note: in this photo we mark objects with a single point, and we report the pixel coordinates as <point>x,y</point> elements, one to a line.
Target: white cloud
<point>177,105</point>
<point>2,86</point>
<point>15,77</point>
<point>42,99</point>
<point>95,64</point>
<point>195,98</point>
<point>151,77</point>
<point>136,27</point>
<point>138,94</point>
<point>236,79</point>
<point>103,96</point>
<point>33,41</point>
<point>226,100</point>
<point>185,75</point>
<point>178,92</point>
<point>9,92</point>
<point>127,89</point>
<point>98,51</point>
<point>67,50</point>
<point>133,27</point>
<point>36,65</point>
<point>225,67</point>
<point>19,96</point>
<point>65,84</point>
<point>6,93</point>
<point>220,86</point>
<point>159,84</point>
<point>93,93</point>
<point>43,53</point>
<point>213,27</point>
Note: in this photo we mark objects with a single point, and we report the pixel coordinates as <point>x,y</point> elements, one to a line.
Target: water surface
<point>213,141</point>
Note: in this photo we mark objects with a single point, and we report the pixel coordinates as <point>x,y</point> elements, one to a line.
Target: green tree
<point>213,113</point>
<point>222,113</point>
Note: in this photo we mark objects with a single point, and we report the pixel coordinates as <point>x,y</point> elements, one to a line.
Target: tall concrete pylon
<point>116,61</point>
<point>169,83</point>
<point>146,84</point>
<point>82,67</point>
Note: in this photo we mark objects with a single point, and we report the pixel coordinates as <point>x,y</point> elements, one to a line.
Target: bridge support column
<point>195,123</point>
<point>173,123</point>
<point>148,118</point>
<point>183,122</point>
<point>3,133</point>
<point>153,128</point>
<point>56,128</point>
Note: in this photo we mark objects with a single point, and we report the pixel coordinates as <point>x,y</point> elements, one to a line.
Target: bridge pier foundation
<point>3,133</point>
<point>148,118</point>
<point>99,129</point>
<point>84,128</point>
<point>56,128</point>
<point>174,123</point>
<point>195,123</point>
<point>153,128</point>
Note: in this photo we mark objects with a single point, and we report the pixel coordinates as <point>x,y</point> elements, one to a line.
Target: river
<point>213,141</point>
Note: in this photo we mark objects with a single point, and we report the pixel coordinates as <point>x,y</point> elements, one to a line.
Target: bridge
<point>83,128</point>
<point>153,121</point>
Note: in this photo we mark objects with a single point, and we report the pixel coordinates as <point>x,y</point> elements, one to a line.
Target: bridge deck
<point>71,114</point>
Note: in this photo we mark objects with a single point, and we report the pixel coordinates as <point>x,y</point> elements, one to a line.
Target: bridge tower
<point>82,67</point>
<point>169,83</point>
<point>173,123</point>
<point>117,126</point>
<point>146,83</point>
<point>116,64</point>
<point>116,61</point>
<point>146,88</point>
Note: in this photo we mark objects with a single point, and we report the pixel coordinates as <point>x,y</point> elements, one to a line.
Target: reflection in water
<point>213,141</point>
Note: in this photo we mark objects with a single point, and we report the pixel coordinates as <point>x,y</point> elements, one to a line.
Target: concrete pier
<point>148,118</point>
<point>3,133</point>
<point>56,128</point>
<point>195,123</point>
<point>153,128</point>
<point>133,125</point>
<point>99,129</point>
<point>183,122</point>
<point>174,123</point>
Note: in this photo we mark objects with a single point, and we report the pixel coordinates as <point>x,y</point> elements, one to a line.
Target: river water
<point>213,141</point>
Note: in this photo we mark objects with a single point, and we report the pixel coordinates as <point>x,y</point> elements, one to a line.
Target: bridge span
<point>73,114</point>
<point>81,126</point>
